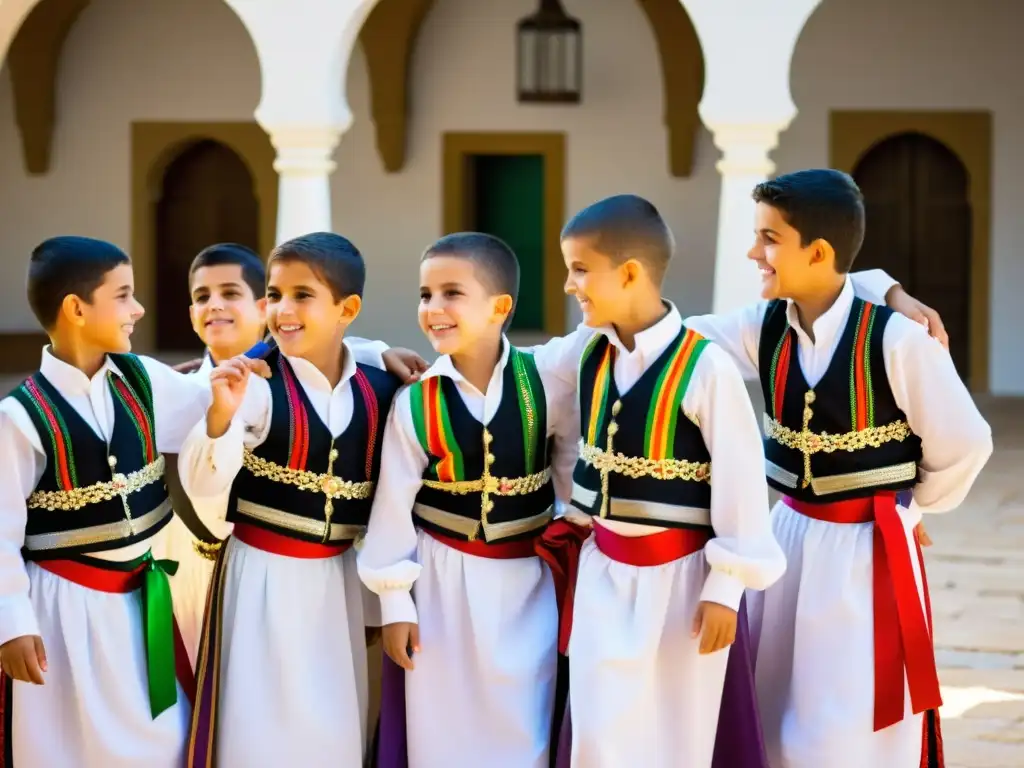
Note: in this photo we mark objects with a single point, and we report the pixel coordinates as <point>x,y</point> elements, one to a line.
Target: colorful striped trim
<point>298,419</point>
<point>532,408</point>
<point>663,414</point>
<point>372,418</point>
<point>862,395</point>
<point>60,438</point>
<point>434,429</point>
<point>780,372</point>
<point>141,417</point>
<point>599,395</point>
<point>139,376</point>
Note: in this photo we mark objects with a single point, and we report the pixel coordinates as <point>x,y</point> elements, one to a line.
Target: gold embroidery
<point>119,486</point>
<point>206,550</point>
<point>639,466</point>
<point>330,485</point>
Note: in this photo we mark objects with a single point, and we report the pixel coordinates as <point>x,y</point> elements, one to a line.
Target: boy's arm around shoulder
<point>563,418</point>
<point>20,468</point>
<point>179,401</point>
<point>744,553</point>
<point>387,559</point>
<point>956,441</point>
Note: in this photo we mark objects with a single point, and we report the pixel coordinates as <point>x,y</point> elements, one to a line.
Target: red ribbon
<point>559,547</point>
<point>902,635</point>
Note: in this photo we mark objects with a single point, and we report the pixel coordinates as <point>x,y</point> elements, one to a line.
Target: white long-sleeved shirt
<point>956,441</point>
<point>744,553</point>
<point>208,466</point>
<point>179,400</point>
<point>387,561</point>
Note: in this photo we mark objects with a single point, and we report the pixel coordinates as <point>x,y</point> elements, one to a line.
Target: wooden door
<point>919,227</point>
<point>207,197</point>
<point>508,202</point>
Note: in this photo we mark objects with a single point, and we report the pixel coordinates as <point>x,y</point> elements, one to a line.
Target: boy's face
<point>108,319</point>
<point>456,309</point>
<point>301,311</point>
<point>787,267</point>
<point>225,313</point>
<point>595,280</point>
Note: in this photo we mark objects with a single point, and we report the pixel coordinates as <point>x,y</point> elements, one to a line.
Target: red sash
<point>279,544</point>
<point>903,640</point>
<point>656,549</point>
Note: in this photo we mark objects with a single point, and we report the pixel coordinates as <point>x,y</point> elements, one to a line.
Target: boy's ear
<point>631,270</point>
<point>73,310</point>
<point>822,252</point>
<point>350,307</point>
<point>503,306</point>
<point>261,307</point>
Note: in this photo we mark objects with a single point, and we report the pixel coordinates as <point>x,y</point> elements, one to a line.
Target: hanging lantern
<point>549,56</point>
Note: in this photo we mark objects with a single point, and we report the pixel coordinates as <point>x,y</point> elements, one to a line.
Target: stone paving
<point>976,574</point>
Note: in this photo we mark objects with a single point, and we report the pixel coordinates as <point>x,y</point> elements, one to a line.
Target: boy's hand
<point>24,658</point>
<point>190,367</point>
<point>405,364</point>
<point>716,626</point>
<point>579,518</point>
<point>228,383</point>
<point>922,535</point>
<point>401,639</point>
<point>905,304</point>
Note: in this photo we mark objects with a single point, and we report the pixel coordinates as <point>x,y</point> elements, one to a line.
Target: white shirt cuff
<point>17,618</point>
<point>722,588</point>
<point>396,605</point>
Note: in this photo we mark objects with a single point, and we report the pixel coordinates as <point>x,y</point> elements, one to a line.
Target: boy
<point>476,453</point>
<point>660,583</point>
<point>89,669</point>
<point>298,455</point>
<point>862,406</point>
<point>226,283</point>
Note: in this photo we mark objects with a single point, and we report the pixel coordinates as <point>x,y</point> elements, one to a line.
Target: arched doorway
<point>919,227</point>
<point>206,197</point>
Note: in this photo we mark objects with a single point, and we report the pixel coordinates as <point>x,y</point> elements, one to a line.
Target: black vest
<point>454,443</point>
<point>62,521</point>
<point>298,441</point>
<point>649,425</point>
<point>853,403</point>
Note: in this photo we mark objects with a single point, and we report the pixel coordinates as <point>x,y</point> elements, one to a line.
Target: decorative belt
<point>276,544</point>
<point>119,485</point>
<point>902,637</point>
<point>328,532</point>
<point>470,528</point>
<point>100,534</point>
<point>656,549</point>
<point>848,481</point>
<point>636,467</point>
<point>809,443</point>
<point>651,512</point>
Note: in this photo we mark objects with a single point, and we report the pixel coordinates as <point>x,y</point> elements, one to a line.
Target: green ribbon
<point>157,627</point>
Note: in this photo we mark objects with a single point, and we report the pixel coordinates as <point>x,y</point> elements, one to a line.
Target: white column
<point>748,45</point>
<point>304,48</point>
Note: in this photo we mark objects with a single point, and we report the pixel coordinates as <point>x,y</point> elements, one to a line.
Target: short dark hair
<point>333,258</point>
<point>494,262</point>
<point>253,272</point>
<point>68,266</point>
<point>820,204</point>
<point>625,227</point>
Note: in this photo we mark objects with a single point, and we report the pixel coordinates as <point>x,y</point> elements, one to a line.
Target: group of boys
<point>535,531</point>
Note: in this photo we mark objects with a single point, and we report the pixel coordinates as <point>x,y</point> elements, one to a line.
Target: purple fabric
<point>392,743</point>
<point>740,742</point>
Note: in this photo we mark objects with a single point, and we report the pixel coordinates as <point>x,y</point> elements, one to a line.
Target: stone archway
<point>389,35</point>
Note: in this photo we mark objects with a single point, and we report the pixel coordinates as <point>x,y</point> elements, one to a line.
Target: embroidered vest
<point>845,437</point>
<point>303,482</point>
<point>94,497</point>
<point>641,459</point>
<point>493,480</point>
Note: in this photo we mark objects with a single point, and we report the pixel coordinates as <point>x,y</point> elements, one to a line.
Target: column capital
<point>746,147</point>
<point>303,150</point>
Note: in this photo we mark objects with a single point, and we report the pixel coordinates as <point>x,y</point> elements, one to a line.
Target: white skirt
<point>815,659</point>
<point>640,693</point>
<point>483,688</point>
<point>293,687</point>
<point>189,586</point>
<point>93,711</point>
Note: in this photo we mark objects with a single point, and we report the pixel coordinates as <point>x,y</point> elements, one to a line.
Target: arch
<point>155,147</point>
<point>965,137</point>
<point>389,38</point>
<point>34,56</point>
